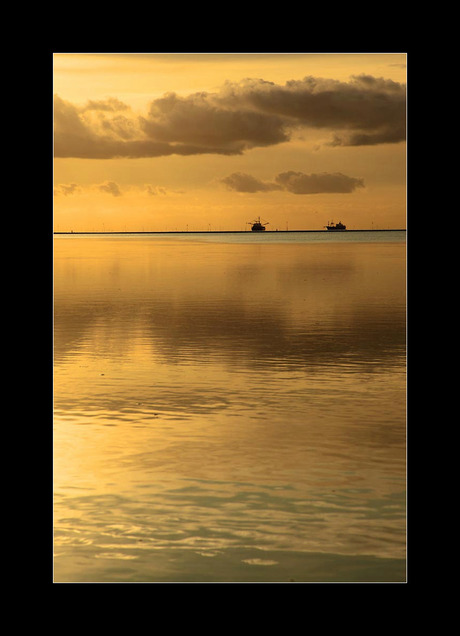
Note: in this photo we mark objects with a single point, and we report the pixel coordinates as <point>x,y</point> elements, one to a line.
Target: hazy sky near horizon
<point>211,141</point>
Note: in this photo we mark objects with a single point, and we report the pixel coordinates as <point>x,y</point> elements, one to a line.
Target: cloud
<point>249,114</point>
<point>160,190</point>
<point>242,182</point>
<point>295,182</point>
<point>373,106</point>
<point>76,135</point>
<point>80,136</point>
<point>300,183</point>
<point>206,121</point>
<point>154,190</point>
<point>67,189</point>
<point>111,187</point>
<point>112,104</point>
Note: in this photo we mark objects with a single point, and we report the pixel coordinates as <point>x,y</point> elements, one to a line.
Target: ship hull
<point>258,226</point>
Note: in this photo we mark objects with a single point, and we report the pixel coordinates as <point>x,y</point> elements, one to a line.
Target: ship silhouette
<point>336,227</point>
<point>257,225</point>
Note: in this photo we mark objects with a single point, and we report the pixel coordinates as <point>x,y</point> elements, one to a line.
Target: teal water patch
<point>227,566</point>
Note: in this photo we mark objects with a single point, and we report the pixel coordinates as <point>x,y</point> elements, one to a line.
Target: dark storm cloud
<point>249,114</point>
<point>295,182</point>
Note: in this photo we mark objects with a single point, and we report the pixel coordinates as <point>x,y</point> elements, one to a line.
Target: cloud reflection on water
<point>315,312</point>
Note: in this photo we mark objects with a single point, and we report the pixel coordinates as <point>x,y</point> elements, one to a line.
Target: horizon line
<point>219,231</point>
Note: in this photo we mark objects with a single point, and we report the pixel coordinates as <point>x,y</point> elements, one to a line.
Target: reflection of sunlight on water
<point>199,416</point>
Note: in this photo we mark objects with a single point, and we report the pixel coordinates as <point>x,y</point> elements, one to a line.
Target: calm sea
<point>230,407</point>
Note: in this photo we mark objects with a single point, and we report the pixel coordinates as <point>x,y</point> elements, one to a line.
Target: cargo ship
<point>336,227</point>
<point>258,226</point>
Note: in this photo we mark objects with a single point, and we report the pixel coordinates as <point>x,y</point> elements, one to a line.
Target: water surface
<point>229,408</point>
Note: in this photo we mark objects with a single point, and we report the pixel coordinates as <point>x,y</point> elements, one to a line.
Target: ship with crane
<point>257,225</point>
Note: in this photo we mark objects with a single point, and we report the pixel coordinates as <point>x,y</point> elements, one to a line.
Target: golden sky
<point>160,142</point>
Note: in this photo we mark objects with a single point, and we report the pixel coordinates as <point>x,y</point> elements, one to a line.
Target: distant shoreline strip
<point>234,232</point>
